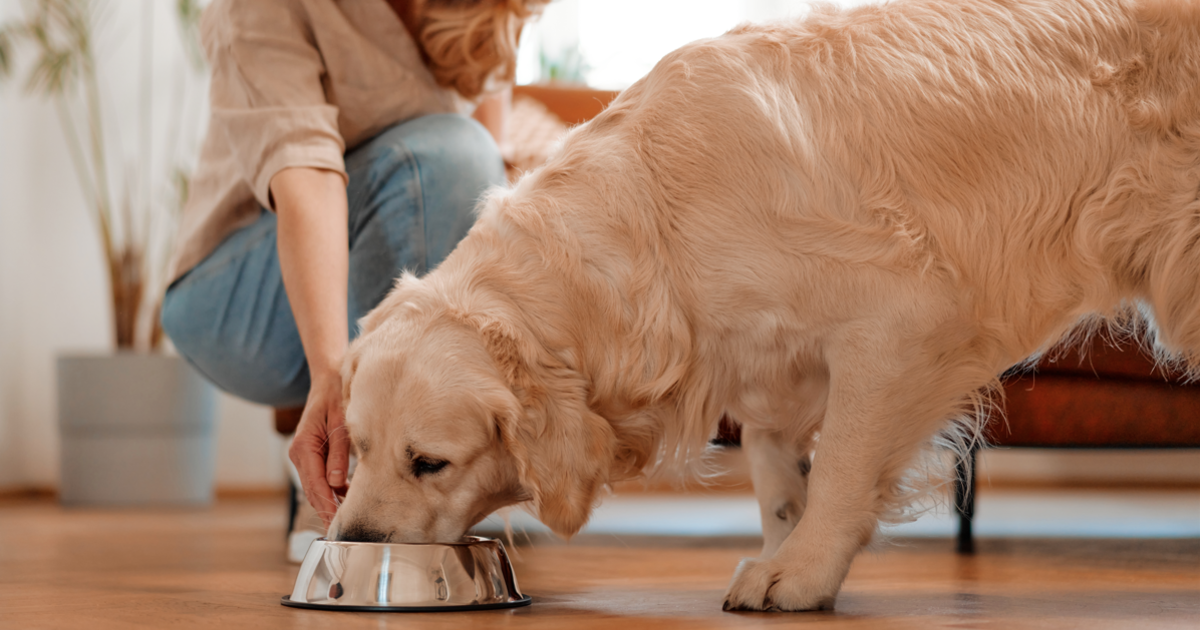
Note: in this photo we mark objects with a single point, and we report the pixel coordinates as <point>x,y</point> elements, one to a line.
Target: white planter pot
<point>136,429</point>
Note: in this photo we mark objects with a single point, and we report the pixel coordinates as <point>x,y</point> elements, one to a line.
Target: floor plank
<point>190,569</point>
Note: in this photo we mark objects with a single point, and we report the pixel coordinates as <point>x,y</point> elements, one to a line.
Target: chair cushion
<point>1090,412</point>
<point>1101,357</point>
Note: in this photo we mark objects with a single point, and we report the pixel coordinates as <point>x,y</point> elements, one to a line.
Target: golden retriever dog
<point>837,230</point>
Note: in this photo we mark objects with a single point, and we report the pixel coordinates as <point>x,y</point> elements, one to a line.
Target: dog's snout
<point>358,531</point>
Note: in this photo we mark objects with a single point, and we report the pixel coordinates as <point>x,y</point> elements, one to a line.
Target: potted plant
<point>136,425</point>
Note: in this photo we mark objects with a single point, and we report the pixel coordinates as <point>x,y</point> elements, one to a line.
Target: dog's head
<point>455,414</point>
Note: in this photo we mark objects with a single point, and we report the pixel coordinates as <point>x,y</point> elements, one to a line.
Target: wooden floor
<point>224,568</point>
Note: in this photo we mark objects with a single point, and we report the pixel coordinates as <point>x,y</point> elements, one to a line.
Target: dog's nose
<point>358,531</point>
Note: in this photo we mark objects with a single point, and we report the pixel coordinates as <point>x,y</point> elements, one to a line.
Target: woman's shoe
<point>304,526</point>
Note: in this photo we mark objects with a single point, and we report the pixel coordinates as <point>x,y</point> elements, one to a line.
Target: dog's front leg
<point>841,514</point>
<point>882,409</point>
<point>779,470</point>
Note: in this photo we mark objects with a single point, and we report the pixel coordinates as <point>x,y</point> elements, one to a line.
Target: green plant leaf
<point>53,73</point>
<point>188,13</point>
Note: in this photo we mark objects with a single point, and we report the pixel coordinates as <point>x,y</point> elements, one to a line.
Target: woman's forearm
<point>313,256</point>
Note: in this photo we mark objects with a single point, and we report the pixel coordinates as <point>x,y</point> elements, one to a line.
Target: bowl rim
<point>525,600</point>
<point>465,541</point>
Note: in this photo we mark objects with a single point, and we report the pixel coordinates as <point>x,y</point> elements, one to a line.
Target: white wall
<point>250,455</point>
<point>53,291</point>
<point>9,466</point>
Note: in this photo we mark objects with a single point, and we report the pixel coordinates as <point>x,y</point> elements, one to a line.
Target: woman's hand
<point>320,448</point>
<point>314,260</point>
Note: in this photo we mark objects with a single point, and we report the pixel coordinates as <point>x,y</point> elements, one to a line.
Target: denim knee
<point>456,147</point>
<point>458,163</point>
<point>412,194</point>
<point>455,161</point>
<point>275,376</point>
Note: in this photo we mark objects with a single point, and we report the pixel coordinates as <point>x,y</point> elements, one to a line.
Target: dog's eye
<point>425,466</point>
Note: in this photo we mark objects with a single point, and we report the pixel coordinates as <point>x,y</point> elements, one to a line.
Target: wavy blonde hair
<point>469,43</point>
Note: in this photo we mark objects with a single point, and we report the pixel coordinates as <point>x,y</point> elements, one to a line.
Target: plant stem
<point>104,196</point>
<point>147,128</point>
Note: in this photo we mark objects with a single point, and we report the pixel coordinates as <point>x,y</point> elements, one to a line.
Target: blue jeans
<point>412,195</point>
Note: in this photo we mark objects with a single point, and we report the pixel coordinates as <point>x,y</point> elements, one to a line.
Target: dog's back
<point>1037,158</point>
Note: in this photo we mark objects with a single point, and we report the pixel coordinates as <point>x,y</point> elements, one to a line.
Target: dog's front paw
<point>763,584</point>
<point>751,586</point>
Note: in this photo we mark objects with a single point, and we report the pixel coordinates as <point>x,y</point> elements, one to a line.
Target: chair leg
<point>287,419</point>
<point>964,502</point>
<point>293,505</point>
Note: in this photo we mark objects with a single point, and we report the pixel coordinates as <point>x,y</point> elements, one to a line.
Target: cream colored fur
<point>845,225</point>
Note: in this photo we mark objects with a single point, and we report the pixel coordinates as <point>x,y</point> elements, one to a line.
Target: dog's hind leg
<point>779,469</point>
<point>887,398</point>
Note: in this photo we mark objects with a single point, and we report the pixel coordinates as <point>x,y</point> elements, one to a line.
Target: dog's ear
<point>564,451</point>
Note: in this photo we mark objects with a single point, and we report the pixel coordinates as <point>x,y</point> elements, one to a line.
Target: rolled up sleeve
<point>268,97</point>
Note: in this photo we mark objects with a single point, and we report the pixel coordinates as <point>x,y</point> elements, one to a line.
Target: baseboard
<point>34,493</point>
<point>1113,468</point>
<point>1087,484</point>
<point>251,492</point>
<point>27,493</point>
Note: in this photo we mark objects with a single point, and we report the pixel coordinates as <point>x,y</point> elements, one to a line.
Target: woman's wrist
<point>325,363</point>
<point>325,375</point>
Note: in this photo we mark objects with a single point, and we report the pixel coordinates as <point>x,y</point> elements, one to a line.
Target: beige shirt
<point>294,83</point>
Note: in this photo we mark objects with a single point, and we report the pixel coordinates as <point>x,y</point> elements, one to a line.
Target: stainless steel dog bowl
<point>472,574</point>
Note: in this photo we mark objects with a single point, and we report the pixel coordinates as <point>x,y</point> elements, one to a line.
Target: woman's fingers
<point>339,447</point>
<point>308,454</point>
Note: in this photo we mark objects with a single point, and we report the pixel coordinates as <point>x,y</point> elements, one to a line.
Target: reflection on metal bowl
<point>472,574</point>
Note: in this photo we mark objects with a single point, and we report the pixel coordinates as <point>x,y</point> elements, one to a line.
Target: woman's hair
<point>468,43</point>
